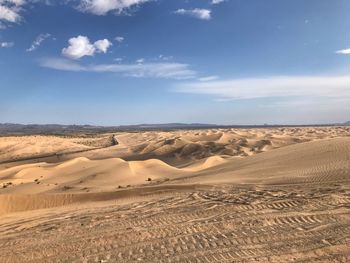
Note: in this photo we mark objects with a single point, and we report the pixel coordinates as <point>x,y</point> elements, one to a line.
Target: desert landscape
<point>174,131</point>
<point>184,195</point>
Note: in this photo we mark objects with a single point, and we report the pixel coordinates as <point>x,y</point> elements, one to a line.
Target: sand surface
<point>218,195</point>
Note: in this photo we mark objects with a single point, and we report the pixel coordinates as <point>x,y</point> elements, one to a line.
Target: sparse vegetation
<point>5,185</point>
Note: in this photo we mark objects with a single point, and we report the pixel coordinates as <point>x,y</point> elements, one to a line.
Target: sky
<point>118,62</point>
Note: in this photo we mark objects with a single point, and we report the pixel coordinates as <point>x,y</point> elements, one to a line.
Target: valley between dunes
<point>216,195</point>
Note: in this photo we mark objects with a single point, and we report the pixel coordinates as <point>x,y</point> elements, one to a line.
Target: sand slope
<point>319,161</point>
<point>261,195</point>
<point>25,147</point>
<point>230,224</point>
<point>177,148</point>
<point>84,175</point>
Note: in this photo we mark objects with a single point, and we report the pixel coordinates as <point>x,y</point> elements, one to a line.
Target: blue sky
<point>112,62</point>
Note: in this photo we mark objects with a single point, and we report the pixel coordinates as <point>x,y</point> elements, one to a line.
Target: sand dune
<point>21,147</point>
<point>84,175</point>
<point>321,161</point>
<point>174,147</point>
<point>220,195</point>
<point>180,146</point>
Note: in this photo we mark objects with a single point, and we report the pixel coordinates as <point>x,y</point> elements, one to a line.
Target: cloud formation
<point>119,39</point>
<point>102,7</point>
<point>102,45</point>
<point>80,46</point>
<point>38,41</point>
<point>216,2</point>
<point>344,51</point>
<point>6,44</point>
<point>153,70</point>
<point>140,60</point>
<point>208,78</point>
<point>271,87</point>
<point>204,14</point>
<point>10,9</point>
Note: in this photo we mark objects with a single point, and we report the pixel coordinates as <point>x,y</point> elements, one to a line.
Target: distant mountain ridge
<point>14,128</point>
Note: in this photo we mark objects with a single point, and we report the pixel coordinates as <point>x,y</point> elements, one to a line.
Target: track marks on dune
<point>204,226</point>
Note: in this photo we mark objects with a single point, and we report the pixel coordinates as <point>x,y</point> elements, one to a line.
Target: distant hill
<point>59,129</point>
<point>168,125</point>
<point>13,128</point>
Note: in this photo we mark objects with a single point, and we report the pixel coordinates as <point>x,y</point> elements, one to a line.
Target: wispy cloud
<point>80,46</point>
<point>166,58</point>
<point>119,39</point>
<point>119,60</point>
<point>271,87</point>
<point>204,14</point>
<point>140,60</point>
<point>11,10</point>
<point>208,78</point>
<point>102,7</point>
<point>152,70</point>
<point>6,44</point>
<point>343,51</point>
<point>38,41</point>
<point>216,2</point>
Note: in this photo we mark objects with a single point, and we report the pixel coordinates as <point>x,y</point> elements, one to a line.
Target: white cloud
<point>154,70</point>
<point>14,2</point>
<point>343,51</point>
<point>165,58</point>
<point>102,45</point>
<point>6,44</point>
<point>9,10</point>
<point>102,7</point>
<point>208,78</point>
<point>216,2</point>
<point>118,60</point>
<point>204,14</point>
<point>140,60</point>
<point>61,64</point>
<point>80,46</point>
<point>271,87</point>
<point>119,39</point>
<point>37,42</point>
